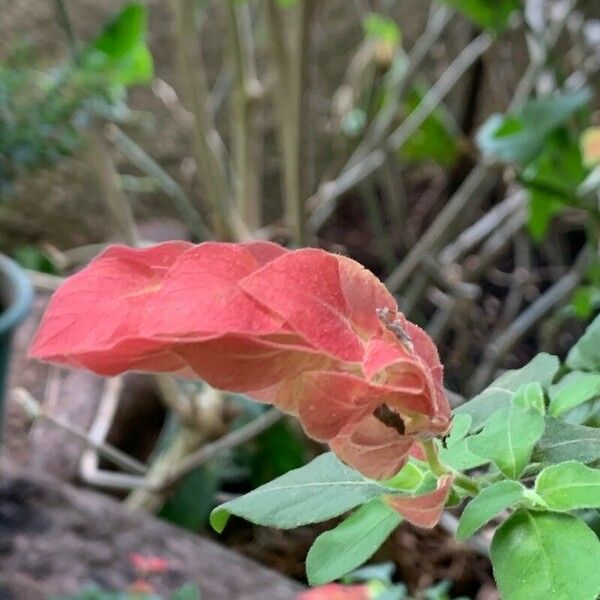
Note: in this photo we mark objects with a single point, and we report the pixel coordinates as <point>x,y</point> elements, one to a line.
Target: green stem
<point>438,468</point>
<point>65,23</point>
<point>433,458</point>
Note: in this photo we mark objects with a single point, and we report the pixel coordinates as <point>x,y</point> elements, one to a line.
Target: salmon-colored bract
<point>311,332</point>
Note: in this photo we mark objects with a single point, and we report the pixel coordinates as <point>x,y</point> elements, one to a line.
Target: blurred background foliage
<point>450,146</point>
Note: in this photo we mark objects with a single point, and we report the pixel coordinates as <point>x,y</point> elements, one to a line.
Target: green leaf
<point>521,137</point>
<point>585,354</point>
<point>530,395</point>
<point>460,458</point>
<point>455,452</point>
<point>409,479</point>
<point>569,486</point>
<point>508,438</point>
<point>347,546</point>
<point>552,180</point>
<point>490,14</point>
<point>499,393</point>
<point>122,33</point>
<point>321,490</point>
<point>434,139</point>
<point>190,505</point>
<point>585,301</point>
<point>120,50</point>
<point>275,452</point>
<point>381,29</point>
<point>546,556</point>
<point>573,389</point>
<point>487,504</point>
<point>188,591</point>
<point>563,442</point>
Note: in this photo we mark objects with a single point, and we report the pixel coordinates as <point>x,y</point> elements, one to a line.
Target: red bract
<point>311,332</point>
<point>424,510</point>
<point>335,591</point>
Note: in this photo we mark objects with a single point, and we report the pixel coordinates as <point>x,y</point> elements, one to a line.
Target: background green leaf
<point>351,543</point>
<point>585,354</point>
<point>546,556</point>
<point>522,136</point>
<point>489,14</point>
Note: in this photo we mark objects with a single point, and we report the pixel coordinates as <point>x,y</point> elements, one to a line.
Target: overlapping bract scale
<point>299,329</point>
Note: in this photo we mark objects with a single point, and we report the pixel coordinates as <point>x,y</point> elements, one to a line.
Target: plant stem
<point>437,468</point>
<point>247,174</point>
<point>290,65</point>
<point>146,163</point>
<point>433,458</point>
<point>329,193</point>
<point>110,188</point>
<point>65,23</point>
<point>206,142</point>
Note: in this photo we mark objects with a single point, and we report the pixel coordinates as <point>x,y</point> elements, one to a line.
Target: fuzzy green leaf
<point>546,556</point>
<point>563,442</point>
<point>323,489</point>
<point>486,505</point>
<point>569,486</point>
<point>573,389</point>
<point>585,354</point>
<point>508,438</point>
<point>347,546</point>
<point>500,392</point>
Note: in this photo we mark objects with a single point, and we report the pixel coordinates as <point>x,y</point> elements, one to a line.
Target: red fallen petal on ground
<point>148,563</point>
<point>330,402</point>
<point>425,510</point>
<point>103,305</point>
<point>201,296</point>
<point>336,591</point>
<point>372,448</point>
<point>303,288</point>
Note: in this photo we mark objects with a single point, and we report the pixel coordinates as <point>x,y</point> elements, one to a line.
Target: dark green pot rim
<point>16,294</point>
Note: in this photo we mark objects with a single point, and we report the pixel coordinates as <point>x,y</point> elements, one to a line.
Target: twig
<point>206,141</point>
<point>67,25</point>
<point>328,194</point>
<point>35,411</point>
<point>477,232</point>
<point>381,236</point>
<point>110,188</point>
<point>400,80</point>
<point>44,281</point>
<point>227,442</point>
<point>290,71</point>
<point>146,163</point>
<point>479,179</point>
<point>521,325</point>
<point>246,171</point>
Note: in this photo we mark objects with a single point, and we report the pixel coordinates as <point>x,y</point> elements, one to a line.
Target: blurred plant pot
<point>16,296</point>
